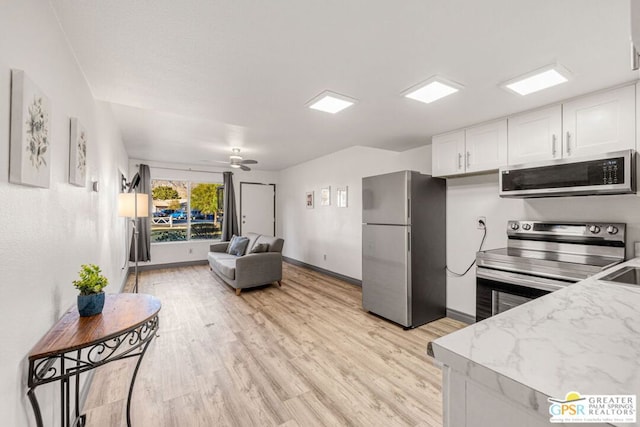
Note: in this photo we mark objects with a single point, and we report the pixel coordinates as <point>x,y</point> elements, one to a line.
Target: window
<point>184,210</point>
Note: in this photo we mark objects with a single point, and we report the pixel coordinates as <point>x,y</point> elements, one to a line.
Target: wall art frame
<point>325,196</point>
<point>309,199</point>
<point>77,153</point>
<point>342,197</point>
<point>30,134</point>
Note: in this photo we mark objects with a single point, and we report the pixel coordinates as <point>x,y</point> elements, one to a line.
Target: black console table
<point>74,345</point>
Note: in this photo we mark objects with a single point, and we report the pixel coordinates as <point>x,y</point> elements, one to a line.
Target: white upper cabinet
<point>486,146</point>
<point>536,136</point>
<point>600,123</point>
<point>593,124</point>
<point>448,154</point>
<point>476,149</point>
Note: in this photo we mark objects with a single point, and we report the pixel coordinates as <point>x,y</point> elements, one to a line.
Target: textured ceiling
<point>189,79</point>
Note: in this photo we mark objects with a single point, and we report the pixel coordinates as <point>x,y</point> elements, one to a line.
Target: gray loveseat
<point>252,269</point>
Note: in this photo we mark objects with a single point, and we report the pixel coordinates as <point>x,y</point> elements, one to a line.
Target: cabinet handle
<point>553,145</point>
<point>568,143</point>
<point>459,160</point>
<point>468,157</point>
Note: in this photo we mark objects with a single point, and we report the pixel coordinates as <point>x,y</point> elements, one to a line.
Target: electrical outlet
<point>481,222</point>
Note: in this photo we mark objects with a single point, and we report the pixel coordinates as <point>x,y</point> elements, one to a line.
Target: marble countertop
<point>584,338</point>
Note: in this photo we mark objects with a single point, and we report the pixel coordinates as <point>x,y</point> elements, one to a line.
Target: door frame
<point>274,204</point>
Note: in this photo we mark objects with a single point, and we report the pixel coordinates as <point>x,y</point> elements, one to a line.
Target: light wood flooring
<point>305,354</point>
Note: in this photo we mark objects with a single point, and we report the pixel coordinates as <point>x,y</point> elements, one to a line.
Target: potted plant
<point>90,285</point>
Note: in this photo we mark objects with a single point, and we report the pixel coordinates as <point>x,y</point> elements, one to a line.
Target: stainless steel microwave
<point>609,173</point>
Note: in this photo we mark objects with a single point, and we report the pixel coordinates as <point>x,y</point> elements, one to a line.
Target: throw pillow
<point>238,246</point>
<point>233,238</point>
<point>260,247</point>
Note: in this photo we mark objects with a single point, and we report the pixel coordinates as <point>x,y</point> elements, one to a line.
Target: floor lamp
<point>134,205</point>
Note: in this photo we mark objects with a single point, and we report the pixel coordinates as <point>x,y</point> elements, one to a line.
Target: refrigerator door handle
<point>408,241</point>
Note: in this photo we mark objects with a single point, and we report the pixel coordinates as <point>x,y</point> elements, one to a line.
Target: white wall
<point>470,197</point>
<point>337,232</point>
<point>189,251</point>
<point>47,233</point>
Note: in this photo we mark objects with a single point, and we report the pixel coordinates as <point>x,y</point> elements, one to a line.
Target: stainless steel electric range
<point>542,257</point>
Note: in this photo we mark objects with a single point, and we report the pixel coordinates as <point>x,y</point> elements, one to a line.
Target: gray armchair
<point>252,269</point>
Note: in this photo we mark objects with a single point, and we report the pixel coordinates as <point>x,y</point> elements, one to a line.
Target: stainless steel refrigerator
<point>404,247</point>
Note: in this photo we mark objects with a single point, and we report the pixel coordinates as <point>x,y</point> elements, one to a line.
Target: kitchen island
<point>584,338</point>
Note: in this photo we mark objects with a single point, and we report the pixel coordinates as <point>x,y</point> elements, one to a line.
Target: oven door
<point>498,291</point>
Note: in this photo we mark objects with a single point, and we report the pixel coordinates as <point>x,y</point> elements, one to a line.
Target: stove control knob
<point>526,226</point>
<point>514,226</point>
<point>594,229</point>
<point>612,229</point>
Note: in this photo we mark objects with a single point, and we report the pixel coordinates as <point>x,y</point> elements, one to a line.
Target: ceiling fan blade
<point>244,168</point>
<point>248,162</point>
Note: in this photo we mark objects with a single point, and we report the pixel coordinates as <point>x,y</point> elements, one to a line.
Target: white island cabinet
<point>500,372</point>
<point>476,149</point>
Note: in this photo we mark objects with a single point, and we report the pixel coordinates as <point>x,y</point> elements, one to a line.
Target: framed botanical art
<point>29,160</point>
<point>309,200</point>
<point>342,195</point>
<point>77,154</point>
<point>325,196</point>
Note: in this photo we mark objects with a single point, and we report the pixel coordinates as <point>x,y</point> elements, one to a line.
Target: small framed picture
<point>30,154</point>
<point>77,154</point>
<point>325,196</point>
<point>342,196</point>
<point>309,200</point>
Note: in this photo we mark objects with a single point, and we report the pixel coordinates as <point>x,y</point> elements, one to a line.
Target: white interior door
<point>258,208</point>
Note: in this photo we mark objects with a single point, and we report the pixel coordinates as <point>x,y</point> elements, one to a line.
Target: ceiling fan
<point>236,161</point>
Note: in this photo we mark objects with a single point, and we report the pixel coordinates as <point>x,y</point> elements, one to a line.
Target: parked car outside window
<point>179,215</point>
<point>196,214</point>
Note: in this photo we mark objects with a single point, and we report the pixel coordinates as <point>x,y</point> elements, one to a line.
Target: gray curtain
<point>230,219</point>
<point>144,224</point>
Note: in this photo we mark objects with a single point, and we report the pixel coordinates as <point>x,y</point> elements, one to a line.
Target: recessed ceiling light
<point>432,89</point>
<point>331,102</point>
<point>539,79</point>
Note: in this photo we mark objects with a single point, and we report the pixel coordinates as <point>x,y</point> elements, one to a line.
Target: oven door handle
<point>541,283</point>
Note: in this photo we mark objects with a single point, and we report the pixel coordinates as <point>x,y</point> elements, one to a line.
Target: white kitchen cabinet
<point>600,123</point>
<point>448,154</point>
<point>535,136</point>
<point>594,124</point>
<point>486,146</point>
<point>476,149</point>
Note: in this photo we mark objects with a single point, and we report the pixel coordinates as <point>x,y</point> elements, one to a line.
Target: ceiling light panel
<point>543,78</point>
<point>432,89</point>
<point>331,102</point>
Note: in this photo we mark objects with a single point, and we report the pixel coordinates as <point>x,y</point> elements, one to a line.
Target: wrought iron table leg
<point>133,382</point>
<point>36,408</point>
<point>77,387</point>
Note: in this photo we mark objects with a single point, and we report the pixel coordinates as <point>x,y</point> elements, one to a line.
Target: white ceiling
<point>190,79</point>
